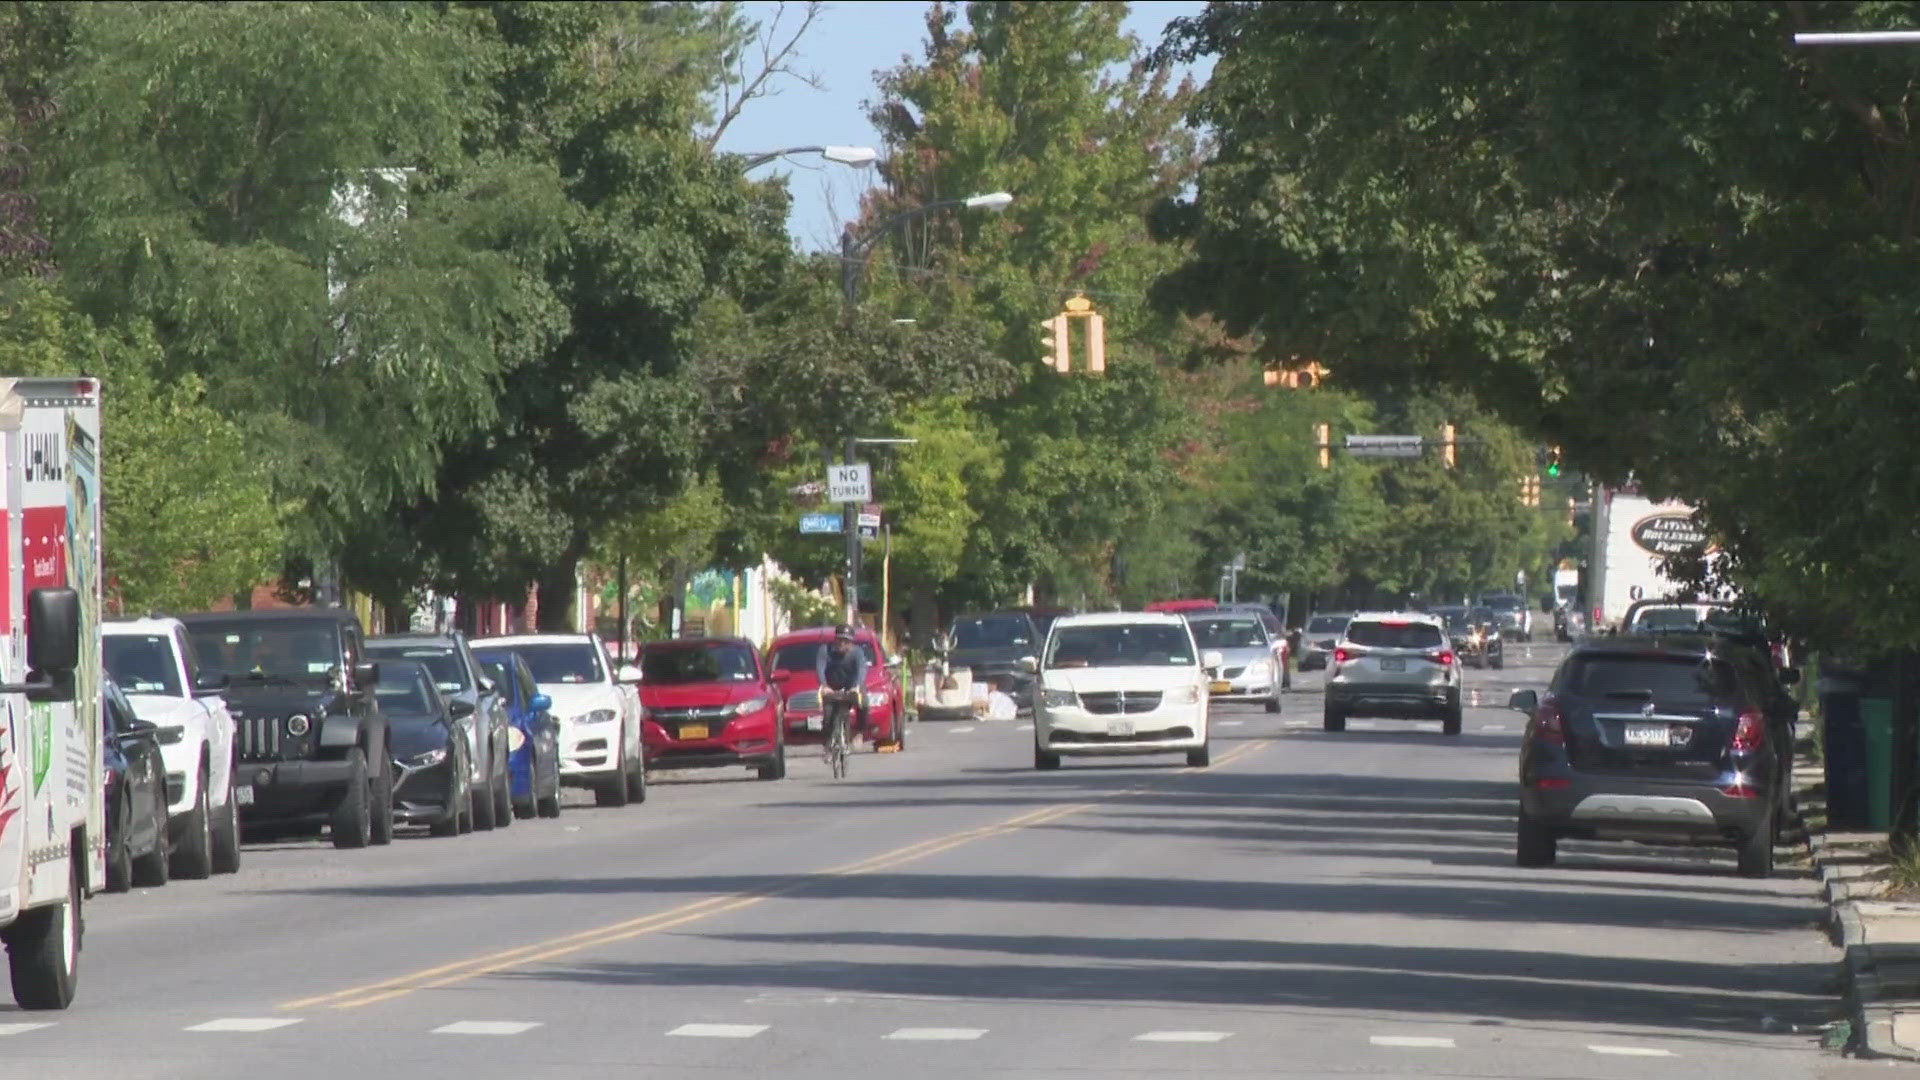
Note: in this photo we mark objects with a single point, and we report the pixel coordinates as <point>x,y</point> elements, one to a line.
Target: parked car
<point>484,725</point>
<point>137,838</point>
<point>1318,638</point>
<point>992,645</point>
<point>598,705</point>
<point>310,744</point>
<point>1394,664</point>
<point>435,786</point>
<point>534,761</point>
<point>1252,659</point>
<point>710,704</point>
<point>1654,739</point>
<point>153,663</point>
<point>1043,618</point>
<point>790,661</point>
<point>1122,683</point>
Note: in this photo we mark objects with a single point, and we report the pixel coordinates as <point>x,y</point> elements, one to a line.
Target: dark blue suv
<point>1684,739</point>
<point>533,760</point>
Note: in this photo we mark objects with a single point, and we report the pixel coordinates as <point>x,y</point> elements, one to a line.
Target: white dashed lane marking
<point>245,1024</point>
<point>1231,723</point>
<point>1631,1051</point>
<point>20,1029</point>
<point>937,1034</point>
<point>718,1031</point>
<point>959,730</point>
<point>486,1027</point>
<point>1493,727</point>
<point>1182,1036</point>
<point>1296,723</point>
<point>1412,1042</point>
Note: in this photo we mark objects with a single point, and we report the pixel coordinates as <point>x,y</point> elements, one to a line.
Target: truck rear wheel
<point>43,948</point>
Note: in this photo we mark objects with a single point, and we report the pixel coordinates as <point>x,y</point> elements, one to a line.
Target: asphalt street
<point>1312,905</point>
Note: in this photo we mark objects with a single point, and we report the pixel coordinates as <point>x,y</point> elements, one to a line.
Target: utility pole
<point>850,525</point>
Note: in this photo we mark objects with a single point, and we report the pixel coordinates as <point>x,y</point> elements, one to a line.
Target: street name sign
<point>1395,446</point>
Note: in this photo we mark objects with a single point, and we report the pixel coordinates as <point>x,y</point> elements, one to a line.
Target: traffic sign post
<point>850,483</point>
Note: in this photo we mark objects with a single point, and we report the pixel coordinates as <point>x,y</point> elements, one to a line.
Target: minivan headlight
<point>1186,695</point>
<point>1059,699</point>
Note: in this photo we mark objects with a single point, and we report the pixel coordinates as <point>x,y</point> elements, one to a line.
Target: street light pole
<point>858,157</point>
<point>853,249</point>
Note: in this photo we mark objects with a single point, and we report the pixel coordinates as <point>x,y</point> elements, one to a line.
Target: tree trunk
<point>923,614</point>
<point>558,589</point>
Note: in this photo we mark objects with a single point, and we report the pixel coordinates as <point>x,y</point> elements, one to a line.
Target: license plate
<point>1393,665</point>
<point>816,723</point>
<point>243,794</point>
<point>1119,727</point>
<point>693,731</point>
<point>1648,735</point>
<point>1222,687</point>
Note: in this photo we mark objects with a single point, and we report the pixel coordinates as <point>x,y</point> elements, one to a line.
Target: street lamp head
<point>857,156</point>
<point>997,200</point>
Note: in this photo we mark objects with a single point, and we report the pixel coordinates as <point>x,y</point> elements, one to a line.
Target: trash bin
<point>1845,752</point>
<point>1876,723</point>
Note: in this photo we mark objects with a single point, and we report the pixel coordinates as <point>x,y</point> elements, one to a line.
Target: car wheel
<point>1535,843</point>
<point>119,852</point>
<point>481,801</point>
<point>613,791</point>
<point>503,798</point>
<point>1756,850</point>
<point>1044,761</point>
<point>450,824</point>
<point>1286,677</point>
<point>226,836</point>
<point>1273,704</point>
<point>1450,723</point>
<point>777,768</point>
<point>194,859</point>
<point>353,818</point>
<point>464,807</point>
<point>43,950</point>
<point>1201,758</point>
<point>382,808</point>
<point>1333,719</point>
<point>150,870</point>
<point>637,781</point>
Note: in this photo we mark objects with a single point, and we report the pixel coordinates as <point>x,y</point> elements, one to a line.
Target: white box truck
<point>52,792</point>
<point>1632,536</point>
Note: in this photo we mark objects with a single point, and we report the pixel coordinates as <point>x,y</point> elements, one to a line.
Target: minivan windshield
<point>1229,633</point>
<point>1385,635</point>
<point>679,665</point>
<point>141,663</point>
<point>992,632</point>
<point>1120,645</point>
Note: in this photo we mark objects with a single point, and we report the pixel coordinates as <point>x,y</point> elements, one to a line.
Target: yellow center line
<point>554,948</point>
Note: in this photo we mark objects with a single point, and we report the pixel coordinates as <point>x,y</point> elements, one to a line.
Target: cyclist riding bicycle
<point>841,668</point>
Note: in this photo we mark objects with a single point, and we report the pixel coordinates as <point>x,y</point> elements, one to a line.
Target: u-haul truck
<point>52,815</point>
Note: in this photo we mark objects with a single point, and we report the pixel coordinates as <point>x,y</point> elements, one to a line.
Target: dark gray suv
<point>1675,740</point>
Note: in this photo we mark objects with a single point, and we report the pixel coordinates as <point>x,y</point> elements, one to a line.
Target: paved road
<point>1313,905</point>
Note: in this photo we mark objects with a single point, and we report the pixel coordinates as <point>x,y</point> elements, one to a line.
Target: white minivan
<point>1122,683</point>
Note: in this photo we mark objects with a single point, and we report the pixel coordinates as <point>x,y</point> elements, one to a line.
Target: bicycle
<point>839,705</point>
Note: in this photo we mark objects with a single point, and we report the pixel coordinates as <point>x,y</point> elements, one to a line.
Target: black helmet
<point>843,631</point>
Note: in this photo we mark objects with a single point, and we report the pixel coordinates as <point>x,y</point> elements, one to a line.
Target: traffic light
<point>1553,461</point>
<point>1272,377</point>
<point>1053,337</point>
<point>1448,456</point>
<point>1323,441</point>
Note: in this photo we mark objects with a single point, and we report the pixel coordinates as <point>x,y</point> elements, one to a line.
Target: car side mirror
<point>137,729</point>
<point>1790,676</point>
<point>1212,658</point>
<point>627,674</point>
<point>460,710</point>
<point>896,661</point>
<point>541,703</point>
<point>210,683</point>
<point>781,675</point>
<point>1526,701</point>
<point>367,674</point>
<point>488,686</point>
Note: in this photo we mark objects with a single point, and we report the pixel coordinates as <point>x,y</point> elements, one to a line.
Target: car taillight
<point>1751,732</point>
<point>1444,657</point>
<point>1547,726</point>
<point>1341,656</point>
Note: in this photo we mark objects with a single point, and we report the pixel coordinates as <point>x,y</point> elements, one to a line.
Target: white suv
<point>1120,684</point>
<point>153,661</point>
<point>598,705</point>
<point>1394,664</point>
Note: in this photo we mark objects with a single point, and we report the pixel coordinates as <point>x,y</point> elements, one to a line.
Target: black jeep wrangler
<point>310,745</point>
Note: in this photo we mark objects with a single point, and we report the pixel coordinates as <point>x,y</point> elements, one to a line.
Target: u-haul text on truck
<point>52,818</point>
<point>1632,538</point>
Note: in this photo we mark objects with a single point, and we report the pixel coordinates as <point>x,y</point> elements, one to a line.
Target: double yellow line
<point>434,978</point>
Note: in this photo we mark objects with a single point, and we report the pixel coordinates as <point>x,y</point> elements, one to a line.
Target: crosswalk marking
<point>1182,1036</point>
<point>245,1024</point>
<point>1412,1042</point>
<point>1631,1051</point>
<point>21,1029</point>
<point>937,1034</point>
<point>718,1031</point>
<point>486,1027</point>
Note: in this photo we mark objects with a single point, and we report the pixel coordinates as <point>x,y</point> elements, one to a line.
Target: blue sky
<point>846,45</point>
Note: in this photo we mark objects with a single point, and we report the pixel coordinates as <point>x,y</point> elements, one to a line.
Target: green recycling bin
<point>1876,716</point>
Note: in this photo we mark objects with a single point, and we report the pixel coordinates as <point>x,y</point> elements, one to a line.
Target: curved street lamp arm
<point>758,160</point>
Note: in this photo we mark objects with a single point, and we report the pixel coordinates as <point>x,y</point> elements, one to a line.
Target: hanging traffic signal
<point>1323,442</point>
<point>1053,338</point>
<point>1553,461</point>
<point>1448,456</point>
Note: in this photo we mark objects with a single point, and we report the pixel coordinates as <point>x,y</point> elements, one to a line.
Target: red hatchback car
<point>791,658</point>
<point>709,703</point>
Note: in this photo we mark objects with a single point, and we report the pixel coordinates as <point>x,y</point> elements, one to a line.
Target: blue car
<point>533,761</point>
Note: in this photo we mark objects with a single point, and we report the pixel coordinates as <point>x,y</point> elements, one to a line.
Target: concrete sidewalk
<point>1880,938</point>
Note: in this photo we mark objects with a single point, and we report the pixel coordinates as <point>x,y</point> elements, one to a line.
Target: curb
<point>1872,1019</point>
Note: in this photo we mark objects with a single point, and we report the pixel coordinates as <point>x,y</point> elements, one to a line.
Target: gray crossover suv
<point>1394,664</point>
